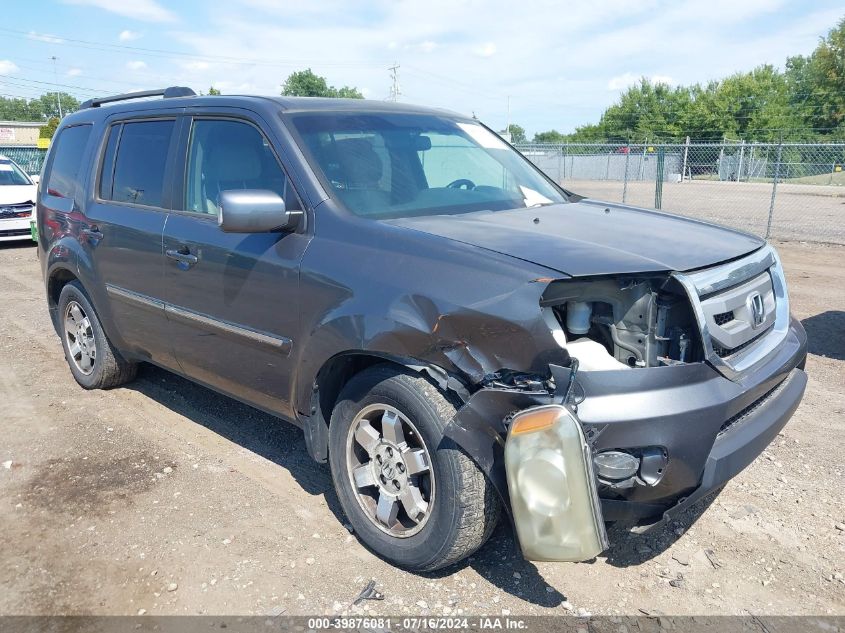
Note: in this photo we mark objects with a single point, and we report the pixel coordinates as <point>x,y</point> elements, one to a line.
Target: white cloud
<point>128,36</point>
<point>662,79</point>
<point>564,74</point>
<point>196,65</point>
<point>145,10</point>
<point>8,67</point>
<point>44,37</point>
<point>136,64</point>
<point>485,50</point>
<point>427,46</point>
<point>621,82</point>
<point>74,72</point>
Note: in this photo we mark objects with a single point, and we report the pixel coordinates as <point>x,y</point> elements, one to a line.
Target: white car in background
<point>17,201</point>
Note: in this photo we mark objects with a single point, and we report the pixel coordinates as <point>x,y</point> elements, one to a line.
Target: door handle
<point>93,233</point>
<point>182,256</point>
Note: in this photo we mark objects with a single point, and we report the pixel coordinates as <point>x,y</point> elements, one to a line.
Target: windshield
<point>389,165</point>
<point>11,174</point>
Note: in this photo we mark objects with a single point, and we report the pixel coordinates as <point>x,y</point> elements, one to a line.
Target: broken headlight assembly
<point>552,486</point>
<point>623,322</point>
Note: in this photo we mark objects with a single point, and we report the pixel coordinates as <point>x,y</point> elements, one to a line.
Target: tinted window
<point>11,174</point>
<point>107,173</point>
<point>387,165</point>
<point>139,166</point>
<point>67,160</point>
<point>226,155</point>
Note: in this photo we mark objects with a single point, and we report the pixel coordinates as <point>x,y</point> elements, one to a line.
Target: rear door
<point>125,221</point>
<point>232,299</point>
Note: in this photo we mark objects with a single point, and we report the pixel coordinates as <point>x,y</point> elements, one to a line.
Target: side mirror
<point>254,211</point>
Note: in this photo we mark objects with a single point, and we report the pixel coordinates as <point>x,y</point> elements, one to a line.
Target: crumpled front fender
<point>480,426</point>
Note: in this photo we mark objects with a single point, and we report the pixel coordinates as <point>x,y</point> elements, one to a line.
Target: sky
<point>558,64</point>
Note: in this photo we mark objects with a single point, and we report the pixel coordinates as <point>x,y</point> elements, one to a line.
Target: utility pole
<point>508,126</point>
<point>56,77</point>
<point>395,90</point>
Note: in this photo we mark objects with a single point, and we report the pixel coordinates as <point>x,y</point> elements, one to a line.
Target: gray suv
<point>455,334</point>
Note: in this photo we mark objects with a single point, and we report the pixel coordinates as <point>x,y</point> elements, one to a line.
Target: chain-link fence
<point>786,191</point>
<point>30,159</point>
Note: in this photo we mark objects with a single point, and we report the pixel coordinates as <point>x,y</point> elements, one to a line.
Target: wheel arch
<point>57,279</point>
<point>336,372</point>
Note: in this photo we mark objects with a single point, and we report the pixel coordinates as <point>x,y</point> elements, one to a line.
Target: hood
<point>15,194</point>
<point>592,238</point>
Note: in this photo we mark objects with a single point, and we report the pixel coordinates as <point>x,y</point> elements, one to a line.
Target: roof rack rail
<point>167,93</point>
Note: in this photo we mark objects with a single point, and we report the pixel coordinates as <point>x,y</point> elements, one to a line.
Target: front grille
<point>745,413</point>
<point>724,317</point>
<point>10,211</point>
<point>14,232</point>
<point>752,291</point>
<point>724,352</point>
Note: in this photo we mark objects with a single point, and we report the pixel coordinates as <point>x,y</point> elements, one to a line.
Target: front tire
<point>93,361</point>
<point>409,492</point>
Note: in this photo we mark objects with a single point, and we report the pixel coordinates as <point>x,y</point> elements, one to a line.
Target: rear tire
<point>93,361</point>
<point>440,507</point>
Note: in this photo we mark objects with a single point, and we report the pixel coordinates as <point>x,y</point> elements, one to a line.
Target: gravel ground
<point>164,498</point>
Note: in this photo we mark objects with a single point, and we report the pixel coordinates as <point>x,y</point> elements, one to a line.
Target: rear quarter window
<point>67,160</point>
<point>140,160</point>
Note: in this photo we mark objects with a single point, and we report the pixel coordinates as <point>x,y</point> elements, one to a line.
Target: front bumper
<point>709,426</point>
<point>15,229</point>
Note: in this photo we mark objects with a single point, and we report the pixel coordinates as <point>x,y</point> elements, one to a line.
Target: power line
<point>50,83</point>
<point>163,53</point>
<point>56,77</point>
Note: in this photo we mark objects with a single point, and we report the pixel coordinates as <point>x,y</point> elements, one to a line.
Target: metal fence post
<point>560,165</point>
<point>565,146</point>
<point>642,160</point>
<point>751,162</point>
<point>684,168</point>
<point>774,190</point>
<point>658,179</point>
<point>741,156</point>
<point>625,178</point>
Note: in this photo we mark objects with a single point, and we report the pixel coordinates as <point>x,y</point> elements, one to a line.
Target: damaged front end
<point>643,419</point>
<point>524,430</point>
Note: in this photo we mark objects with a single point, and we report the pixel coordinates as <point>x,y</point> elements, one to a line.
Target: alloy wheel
<point>389,468</point>
<point>80,338</point>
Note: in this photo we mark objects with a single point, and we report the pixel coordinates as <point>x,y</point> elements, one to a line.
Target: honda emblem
<point>756,309</point>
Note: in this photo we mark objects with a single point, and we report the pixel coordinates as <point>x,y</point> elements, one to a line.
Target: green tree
<point>305,83</point>
<point>49,129</point>
<point>817,82</point>
<point>14,109</point>
<point>48,107</point>
<point>213,91</point>
<point>40,108</point>
<point>517,133</point>
<point>552,136</point>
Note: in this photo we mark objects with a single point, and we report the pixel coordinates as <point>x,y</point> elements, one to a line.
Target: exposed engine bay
<point>632,322</point>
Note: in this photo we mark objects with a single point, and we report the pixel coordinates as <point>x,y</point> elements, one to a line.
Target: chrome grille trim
<point>711,281</point>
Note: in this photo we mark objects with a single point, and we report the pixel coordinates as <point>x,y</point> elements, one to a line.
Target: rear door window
<point>139,163</point>
<point>67,160</point>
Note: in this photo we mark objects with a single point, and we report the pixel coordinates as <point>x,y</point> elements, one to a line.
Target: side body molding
<point>224,328</point>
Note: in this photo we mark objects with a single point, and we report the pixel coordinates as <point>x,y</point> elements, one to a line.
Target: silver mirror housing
<point>254,211</point>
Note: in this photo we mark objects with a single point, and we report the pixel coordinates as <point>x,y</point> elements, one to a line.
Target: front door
<point>232,299</point>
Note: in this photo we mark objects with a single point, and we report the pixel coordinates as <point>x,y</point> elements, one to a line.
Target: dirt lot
<point>165,498</point>
<point>802,212</point>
